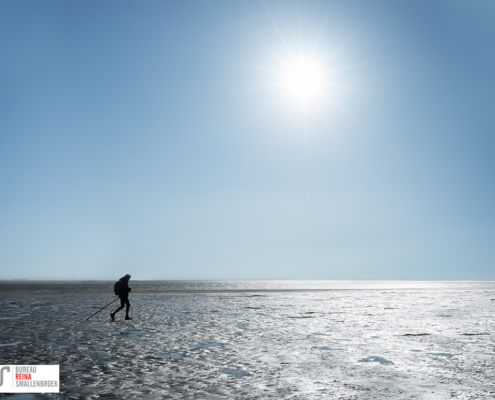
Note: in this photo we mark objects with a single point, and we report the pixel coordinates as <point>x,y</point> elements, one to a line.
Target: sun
<point>306,76</point>
<point>303,78</point>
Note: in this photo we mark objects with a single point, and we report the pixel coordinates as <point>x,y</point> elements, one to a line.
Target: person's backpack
<point>118,288</point>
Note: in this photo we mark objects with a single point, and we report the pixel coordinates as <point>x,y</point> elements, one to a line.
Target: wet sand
<point>347,344</point>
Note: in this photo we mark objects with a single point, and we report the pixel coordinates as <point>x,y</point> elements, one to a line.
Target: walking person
<point>122,289</point>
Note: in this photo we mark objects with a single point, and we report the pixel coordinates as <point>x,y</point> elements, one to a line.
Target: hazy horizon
<point>255,280</point>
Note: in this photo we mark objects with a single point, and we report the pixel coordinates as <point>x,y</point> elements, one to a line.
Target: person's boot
<point>127,317</point>
<point>112,315</point>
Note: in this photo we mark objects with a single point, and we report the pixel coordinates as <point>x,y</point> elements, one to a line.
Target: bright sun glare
<point>303,79</point>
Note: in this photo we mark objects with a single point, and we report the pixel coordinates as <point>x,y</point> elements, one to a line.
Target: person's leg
<point>122,303</point>
<point>128,305</point>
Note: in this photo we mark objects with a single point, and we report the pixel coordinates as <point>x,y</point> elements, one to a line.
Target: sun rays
<point>305,79</point>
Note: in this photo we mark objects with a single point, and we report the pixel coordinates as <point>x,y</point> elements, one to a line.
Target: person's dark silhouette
<point>122,289</point>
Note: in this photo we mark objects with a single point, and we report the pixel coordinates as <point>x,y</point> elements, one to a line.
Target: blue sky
<point>158,139</point>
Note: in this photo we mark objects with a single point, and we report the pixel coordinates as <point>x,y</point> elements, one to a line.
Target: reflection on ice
<point>10,344</point>
<point>327,348</point>
<point>234,372</point>
<point>377,359</point>
<point>23,396</point>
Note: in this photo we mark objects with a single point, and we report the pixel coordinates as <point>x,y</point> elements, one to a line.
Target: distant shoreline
<point>68,293</point>
<point>25,293</point>
<point>105,288</point>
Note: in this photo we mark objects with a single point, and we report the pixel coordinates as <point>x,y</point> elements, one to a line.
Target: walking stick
<point>102,308</point>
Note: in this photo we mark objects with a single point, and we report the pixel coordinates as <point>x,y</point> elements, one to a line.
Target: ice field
<point>330,344</point>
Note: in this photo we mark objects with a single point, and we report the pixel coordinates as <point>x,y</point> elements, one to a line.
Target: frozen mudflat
<point>332,344</point>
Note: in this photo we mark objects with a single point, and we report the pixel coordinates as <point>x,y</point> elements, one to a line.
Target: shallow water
<point>141,286</point>
<point>347,344</point>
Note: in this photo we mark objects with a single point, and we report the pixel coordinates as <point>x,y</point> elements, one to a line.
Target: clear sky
<point>247,140</point>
